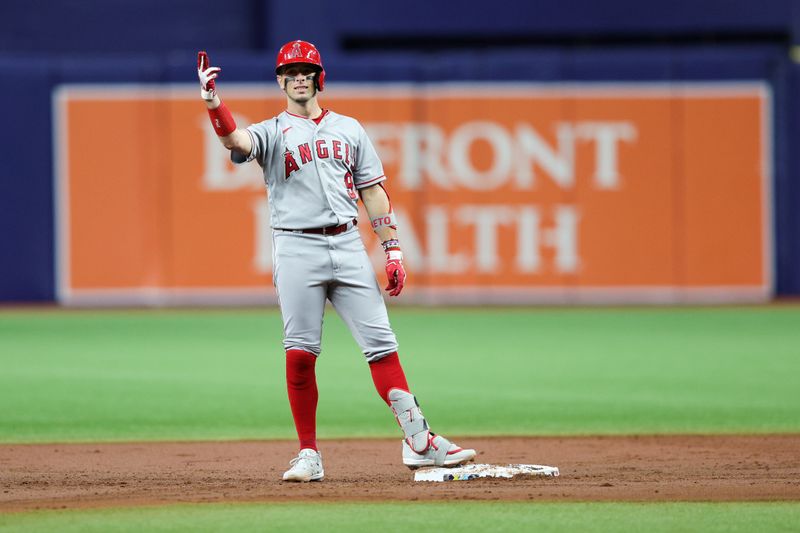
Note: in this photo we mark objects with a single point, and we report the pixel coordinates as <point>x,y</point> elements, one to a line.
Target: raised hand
<point>207,75</point>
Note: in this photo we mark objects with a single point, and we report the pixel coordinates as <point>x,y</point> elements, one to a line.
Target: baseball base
<point>475,471</point>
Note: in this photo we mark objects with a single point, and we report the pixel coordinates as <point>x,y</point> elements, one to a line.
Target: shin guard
<point>412,422</point>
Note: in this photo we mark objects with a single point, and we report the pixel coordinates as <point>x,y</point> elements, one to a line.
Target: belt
<point>327,230</point>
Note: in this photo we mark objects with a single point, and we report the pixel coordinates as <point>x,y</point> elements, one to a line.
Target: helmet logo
<point>295,52</point>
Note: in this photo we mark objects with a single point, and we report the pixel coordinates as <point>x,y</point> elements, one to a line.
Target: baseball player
<point>317,164</point>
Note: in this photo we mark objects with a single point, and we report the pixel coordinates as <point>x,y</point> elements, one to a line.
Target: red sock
<point>301,383</point>
<point>387,374</point>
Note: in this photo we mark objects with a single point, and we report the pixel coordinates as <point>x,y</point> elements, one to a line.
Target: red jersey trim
<point>373,181</point>
<point>316,120</point>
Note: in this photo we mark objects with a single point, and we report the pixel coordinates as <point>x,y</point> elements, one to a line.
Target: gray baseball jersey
<point>312,172</point>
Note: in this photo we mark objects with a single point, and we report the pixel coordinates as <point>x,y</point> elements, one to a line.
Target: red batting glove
<point>207,75</point>
<point>395,271</point>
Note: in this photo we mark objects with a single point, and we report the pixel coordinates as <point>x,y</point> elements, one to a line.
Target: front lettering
<point>305,153</point>
<point>322,150</point>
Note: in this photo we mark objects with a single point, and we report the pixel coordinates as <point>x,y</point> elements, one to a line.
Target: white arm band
<point>388,220</point>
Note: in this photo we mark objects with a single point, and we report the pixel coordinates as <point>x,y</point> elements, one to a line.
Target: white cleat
<point>420,446</point>
<point>440,452</point>
<point>307,466</point>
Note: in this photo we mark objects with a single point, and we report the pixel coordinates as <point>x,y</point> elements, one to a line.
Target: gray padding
<point>402,401</point>
<point>415,426</point>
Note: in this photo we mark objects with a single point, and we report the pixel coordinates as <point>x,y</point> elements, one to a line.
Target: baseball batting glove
<point>394,267</point>
<point>207,75</point>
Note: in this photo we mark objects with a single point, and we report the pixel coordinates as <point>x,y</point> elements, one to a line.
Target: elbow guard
<point>384,221</point>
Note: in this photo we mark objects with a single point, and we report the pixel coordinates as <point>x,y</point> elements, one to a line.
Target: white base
<point>475,471</point>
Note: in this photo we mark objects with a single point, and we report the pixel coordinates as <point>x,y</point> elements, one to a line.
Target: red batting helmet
<point>301,52</point>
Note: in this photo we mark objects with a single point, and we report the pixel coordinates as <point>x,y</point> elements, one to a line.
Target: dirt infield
<point>659,468</point>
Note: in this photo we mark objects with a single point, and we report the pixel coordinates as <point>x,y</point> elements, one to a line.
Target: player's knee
<point>376,355</point>
<point>313,349</point>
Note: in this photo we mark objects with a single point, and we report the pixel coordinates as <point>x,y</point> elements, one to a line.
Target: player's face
<point>298,82</point>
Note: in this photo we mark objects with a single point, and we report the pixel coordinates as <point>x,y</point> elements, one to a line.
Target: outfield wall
<point>714,217</point>
<point>506,192</point>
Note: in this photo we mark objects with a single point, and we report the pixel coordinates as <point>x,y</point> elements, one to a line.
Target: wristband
<point>222,120</point>
<point>391,244</point>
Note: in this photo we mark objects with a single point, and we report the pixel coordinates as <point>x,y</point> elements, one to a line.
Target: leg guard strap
<point>440,445</point>
<point>412,422</point>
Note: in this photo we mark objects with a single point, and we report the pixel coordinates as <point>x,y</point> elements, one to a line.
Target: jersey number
<point>351,187</point>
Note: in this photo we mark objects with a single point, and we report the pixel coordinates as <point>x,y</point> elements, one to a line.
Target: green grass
<point>540,517</point>
<point>142,375</point>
